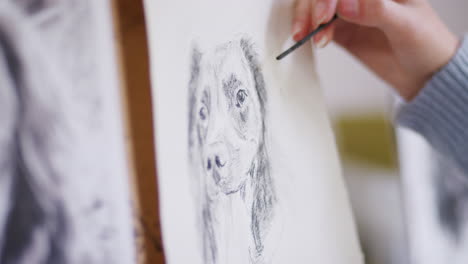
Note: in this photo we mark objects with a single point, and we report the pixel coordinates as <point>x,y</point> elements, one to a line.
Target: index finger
<point>322,11</point>
<point>302,19</point>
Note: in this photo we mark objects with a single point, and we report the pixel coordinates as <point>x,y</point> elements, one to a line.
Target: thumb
<point>383,14</point>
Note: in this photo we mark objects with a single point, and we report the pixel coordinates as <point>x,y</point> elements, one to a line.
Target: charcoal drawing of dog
<point>33,218</point>
<point>53,208</point>
<point>228,153</point>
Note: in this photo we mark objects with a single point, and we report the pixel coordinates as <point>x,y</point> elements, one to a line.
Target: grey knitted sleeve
<point>440,111</point>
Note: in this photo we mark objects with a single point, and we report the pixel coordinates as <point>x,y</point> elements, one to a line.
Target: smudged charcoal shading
<point>32,6</point>
<point>193,83</point>
<point>208,236</point>
<point>56,107</point>
<point>448,215</point>
<point>264,195</point>
<point>245,100</point>
<point>36,218</point>
<point>263,204</point>
<point>13,62</point>
<point>27,217</point>
<point>254,65</point>
<point>230,86</point>
<point>451,197</point>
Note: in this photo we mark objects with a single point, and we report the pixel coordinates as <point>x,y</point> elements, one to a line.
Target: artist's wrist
<point>447,51</point>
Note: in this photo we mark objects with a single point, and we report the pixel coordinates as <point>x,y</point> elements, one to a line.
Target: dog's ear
<point>251,57</point>
<point>195,69</point>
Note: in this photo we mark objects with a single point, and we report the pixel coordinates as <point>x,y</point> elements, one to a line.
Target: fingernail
<point>351,7</point>
<point>296,28</point>
<point>322,42</point>
<point>320,12</point>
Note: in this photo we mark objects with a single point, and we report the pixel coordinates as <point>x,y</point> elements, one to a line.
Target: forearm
<point>440,111</point>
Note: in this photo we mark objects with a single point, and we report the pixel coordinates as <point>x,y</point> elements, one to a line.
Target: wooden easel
<point>132,46</point>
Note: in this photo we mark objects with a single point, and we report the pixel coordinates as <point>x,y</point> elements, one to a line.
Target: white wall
<point>347,84</point>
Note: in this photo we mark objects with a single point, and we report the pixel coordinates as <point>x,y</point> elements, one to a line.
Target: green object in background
<point>367,138</point>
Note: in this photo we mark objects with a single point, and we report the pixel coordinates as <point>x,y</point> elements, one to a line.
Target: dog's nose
<point>216,156</point>
<point>217,161</point>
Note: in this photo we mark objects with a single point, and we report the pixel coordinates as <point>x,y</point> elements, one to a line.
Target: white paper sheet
<point>62,154</point>
<point>247,164</point>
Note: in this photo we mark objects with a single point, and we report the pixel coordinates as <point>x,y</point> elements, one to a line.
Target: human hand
<point>403,41</point>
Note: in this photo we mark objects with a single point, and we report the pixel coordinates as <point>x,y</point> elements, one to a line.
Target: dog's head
<point>227,114</point>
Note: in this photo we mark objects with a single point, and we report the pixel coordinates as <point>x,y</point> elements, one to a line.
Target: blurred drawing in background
<point>63,176</point>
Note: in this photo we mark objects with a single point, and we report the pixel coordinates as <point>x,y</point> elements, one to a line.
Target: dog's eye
<point>241,97</point>
<point>203,113</point>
